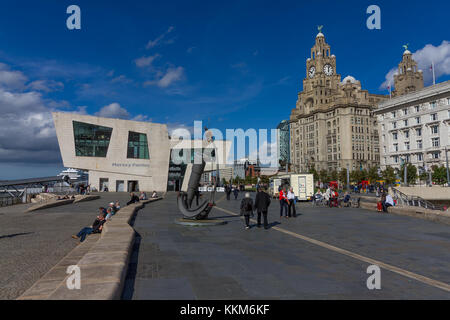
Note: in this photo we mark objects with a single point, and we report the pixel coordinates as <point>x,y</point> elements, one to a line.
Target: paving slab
<point>229,262</point>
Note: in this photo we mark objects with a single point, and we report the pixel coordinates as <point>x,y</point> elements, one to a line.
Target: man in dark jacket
<point>262,202</point>
<point>247,209</point>
<point>96,227</point>
<point>228,191</point>
<point>134,198</point>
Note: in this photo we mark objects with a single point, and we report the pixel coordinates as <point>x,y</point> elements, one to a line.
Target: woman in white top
<point>291,206</point>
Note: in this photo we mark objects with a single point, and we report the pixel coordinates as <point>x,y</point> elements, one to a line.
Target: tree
<point>323,175</point>
<point>411,173</point>
<point>389,175</point>
<point>314,172</point>
<point>439,175</point>
<point>342,176</point>
<point>264,179</point>
<point>333,175</point>
<point>372,174</point>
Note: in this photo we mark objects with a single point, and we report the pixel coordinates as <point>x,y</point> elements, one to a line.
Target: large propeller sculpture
<point>185,199</point>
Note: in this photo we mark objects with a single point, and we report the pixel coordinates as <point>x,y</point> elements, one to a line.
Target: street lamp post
<point>446,161</point>
<point>348,177</point>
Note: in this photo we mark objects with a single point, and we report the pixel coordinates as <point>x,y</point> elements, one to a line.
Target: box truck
<point>302,184</point>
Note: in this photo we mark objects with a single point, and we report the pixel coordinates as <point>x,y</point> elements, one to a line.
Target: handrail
<point>416,201</point>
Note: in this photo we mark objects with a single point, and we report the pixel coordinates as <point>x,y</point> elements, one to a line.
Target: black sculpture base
<point>200,222</point>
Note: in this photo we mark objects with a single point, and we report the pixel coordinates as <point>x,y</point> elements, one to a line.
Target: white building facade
<point>125,156</point>
<point>414,127</point>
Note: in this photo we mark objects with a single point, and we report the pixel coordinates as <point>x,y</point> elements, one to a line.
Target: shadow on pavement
<point>15,235</point>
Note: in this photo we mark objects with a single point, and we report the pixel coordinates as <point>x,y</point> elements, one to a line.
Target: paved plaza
<point>171,261</point>
<point>32,243</point>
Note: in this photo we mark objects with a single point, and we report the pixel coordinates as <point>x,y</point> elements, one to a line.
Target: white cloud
<point>11,79</point>
<point>439,55</point>
<point>46,85</point>
<point>146,61</point>
<point>121,79</point>
<point>169,77</point>
<point>113,110</point>
<point>158,40</point>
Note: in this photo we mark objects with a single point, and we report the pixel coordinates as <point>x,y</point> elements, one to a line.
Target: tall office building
<point>332,125</point>
<point>283,141</point>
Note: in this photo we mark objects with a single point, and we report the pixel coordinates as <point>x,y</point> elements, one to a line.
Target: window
<point>407,134</point>
<point>405,112</point>
<point>435,142</point>
<point>433,117</point>
<point>394,125</point>
<point>396,159</point>
<point>405,122</point>
<point>91,140</point>
<point>417,120</point>
<point>435,155</point>
<point>393,113</point>
<point>395,146</point>
<point>137,146</point>
<point>419,157</point>
<point>433,104</point>
<point>417,108</point>
<point>419,144</point>
<point>406,145</point>
<point>394,135</point>
<point>419,132</point>
<point>434,129</point>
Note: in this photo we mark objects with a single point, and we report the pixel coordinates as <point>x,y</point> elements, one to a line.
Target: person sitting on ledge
<point>389,202</point>
<point>154,195</point>
<point>143,196</point>
<point>109,213</point>
<point>117,205</point>
<point>134,198</point>
<point>96,227</point>
<point>113,208</point>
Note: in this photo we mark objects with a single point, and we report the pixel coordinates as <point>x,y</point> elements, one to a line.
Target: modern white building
<point>414,127</point>
<point>125,155</point>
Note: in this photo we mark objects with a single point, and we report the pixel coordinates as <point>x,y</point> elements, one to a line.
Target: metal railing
<point>416,201</point>
<point>9,201</point>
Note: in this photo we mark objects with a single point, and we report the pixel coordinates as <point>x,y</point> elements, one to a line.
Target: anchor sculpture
<point>186,197</point>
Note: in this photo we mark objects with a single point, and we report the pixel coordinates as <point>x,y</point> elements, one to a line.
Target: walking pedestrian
<point>228,191</point>
<point>291,199</point>
<point>262,202</point>
<point>236,193</point>
<point>247,209</point>
<point>283,202</point>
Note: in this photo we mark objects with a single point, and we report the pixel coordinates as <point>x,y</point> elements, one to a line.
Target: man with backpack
<point>262,202</point>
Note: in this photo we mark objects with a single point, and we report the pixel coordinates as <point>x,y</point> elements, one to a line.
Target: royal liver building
<point>332,125</point>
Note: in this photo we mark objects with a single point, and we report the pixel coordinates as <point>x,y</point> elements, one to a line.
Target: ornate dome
<point>407,52</point>
<point>349,78</point>
<point>320,34</point>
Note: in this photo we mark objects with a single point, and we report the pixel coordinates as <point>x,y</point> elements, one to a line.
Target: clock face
<point>311,71</point>
<point>328,69</point>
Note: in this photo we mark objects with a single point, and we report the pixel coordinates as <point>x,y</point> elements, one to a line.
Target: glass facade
<point>137,145</point>
<point>91,140</point>
<point>284,152</point>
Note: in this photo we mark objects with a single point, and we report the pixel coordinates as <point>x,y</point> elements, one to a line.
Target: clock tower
<point>332,126</point>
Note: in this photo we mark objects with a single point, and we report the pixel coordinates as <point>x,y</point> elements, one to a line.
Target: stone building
<point>414,127</point>
<point>332,125</point>
<point>408,78</point>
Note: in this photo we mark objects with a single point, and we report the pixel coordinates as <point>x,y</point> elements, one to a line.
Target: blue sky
<point>239,64</point>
